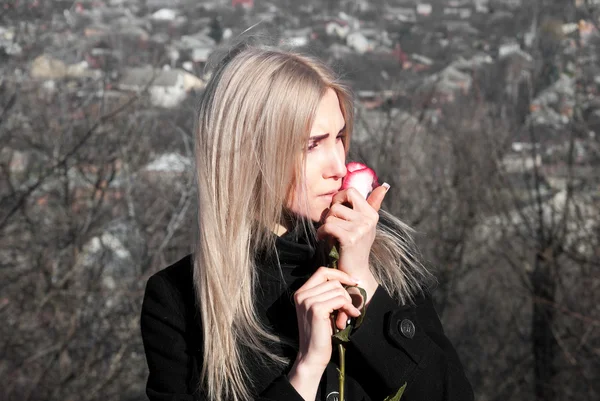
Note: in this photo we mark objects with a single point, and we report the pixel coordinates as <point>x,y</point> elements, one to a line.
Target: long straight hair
<point>253,124</point>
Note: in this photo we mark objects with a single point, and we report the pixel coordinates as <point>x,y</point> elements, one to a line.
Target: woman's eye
<point>313,144</point>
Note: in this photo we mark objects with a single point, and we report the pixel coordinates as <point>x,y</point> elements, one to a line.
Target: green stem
<point>333,259</point>
<point>342,376</point>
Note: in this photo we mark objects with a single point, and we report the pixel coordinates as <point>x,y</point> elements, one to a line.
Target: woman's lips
<point>328,197</point>
<point>329,194</point>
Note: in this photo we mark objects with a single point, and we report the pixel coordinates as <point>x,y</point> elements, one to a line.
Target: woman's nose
<point>337,165</point>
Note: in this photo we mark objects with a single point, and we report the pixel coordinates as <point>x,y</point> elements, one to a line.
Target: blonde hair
<point>254,120</point>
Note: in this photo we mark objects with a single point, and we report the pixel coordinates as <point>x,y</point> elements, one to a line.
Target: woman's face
<point>325,159</point>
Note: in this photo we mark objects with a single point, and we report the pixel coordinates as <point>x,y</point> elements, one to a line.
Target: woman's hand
<point>352,220</point>
<point>315,301</point>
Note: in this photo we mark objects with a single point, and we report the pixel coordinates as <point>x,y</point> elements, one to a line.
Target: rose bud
<point>361,178</point>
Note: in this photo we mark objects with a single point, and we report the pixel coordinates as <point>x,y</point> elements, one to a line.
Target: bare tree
<point>506,211</point>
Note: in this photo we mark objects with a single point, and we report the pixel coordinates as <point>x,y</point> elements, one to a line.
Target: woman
<point>247,316</point>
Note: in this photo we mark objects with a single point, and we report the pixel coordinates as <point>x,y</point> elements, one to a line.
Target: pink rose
<point>361,178</point>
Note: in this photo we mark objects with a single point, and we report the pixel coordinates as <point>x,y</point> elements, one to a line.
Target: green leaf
<point>358,321</point>
<point>343,335</point>
<point>334,254</point>
<point>397,396</point>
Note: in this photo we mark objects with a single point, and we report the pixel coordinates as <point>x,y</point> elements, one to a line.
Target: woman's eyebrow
<point>319,137</point>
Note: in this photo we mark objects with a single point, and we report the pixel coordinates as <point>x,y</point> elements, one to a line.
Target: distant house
<point>403,14</point>
<point>198,46</point>
<point>473,63</point>
<point>584,3</point>
<point>377,37</point>
<point>131,32</point>
<point>513,3</point>
<point>459,3</point>
<point>554,106</point>
<point>414,62</point>
<point>338,28</point>
<point>460,12</point>
<point>445,85</point>
<point>570,27</point>
<point>167,168</point>
<point>372,124</point>
<point>201,55</point>
<point>358,42</point>
<point>17,160</point>
<point>520,162</point>
<point>167,88</point>
<point>96,30</point>
<point>362,5</point>
<point>164,14</point>
<point>339,51</point>
<point>266,16</point>
<point>508,48</point>
<point>158,4</point>
<point>118,250</point>
<point>102,55</point>
<point>297,37</point>
<point>8,44</point>
<point>481,6</point>
<point>424,9</point>
<point>517,67</point>
<point>243,3</point>
<point>46,67</point>
<point>195,41</point>
<point>371,99</point>
<point>169,163</point>
<point>420,63</point>
<point>461,27</point>
<point>587,30</point>
<point>352,21</point>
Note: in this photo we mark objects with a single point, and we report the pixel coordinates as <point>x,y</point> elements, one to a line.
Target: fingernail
<point>357,281</point>
<point>386,186</point>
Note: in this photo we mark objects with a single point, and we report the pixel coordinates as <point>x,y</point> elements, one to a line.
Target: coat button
<point>407,328</point>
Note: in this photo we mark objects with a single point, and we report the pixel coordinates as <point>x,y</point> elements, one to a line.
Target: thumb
<point>376,197</point>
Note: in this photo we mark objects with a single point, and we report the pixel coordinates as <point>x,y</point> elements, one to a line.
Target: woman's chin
<point>319,217</point>
<point>317,214</point>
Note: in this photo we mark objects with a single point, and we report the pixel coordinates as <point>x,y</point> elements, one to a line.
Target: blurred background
<point>483,115</point>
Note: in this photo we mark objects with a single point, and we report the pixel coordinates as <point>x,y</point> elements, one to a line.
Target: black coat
<point>396,344</point>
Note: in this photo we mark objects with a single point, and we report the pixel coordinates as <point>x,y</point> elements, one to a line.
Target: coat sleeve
<point>407,344</point>
<point>172,367</point>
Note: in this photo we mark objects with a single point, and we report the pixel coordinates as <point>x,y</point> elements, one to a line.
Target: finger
<point>342,320</point>
<point>329,225</point>
<point>346,233</point>
<point>305,293</point>
<point>376,197</point>
<point>326,296</point>
<point>349,310</point>
<point>350,197</point>
<point>343,212</point>
<point>322,310</point>
<point>324,274</point>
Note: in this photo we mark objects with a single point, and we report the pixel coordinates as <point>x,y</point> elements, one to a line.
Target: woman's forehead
<point>329,114</point>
